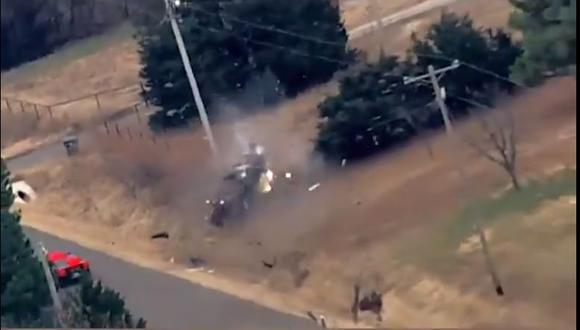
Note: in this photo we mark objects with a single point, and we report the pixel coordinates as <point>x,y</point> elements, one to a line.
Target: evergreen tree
<point>456,37</point>
<point>24,291</point>
<point>96,306</point>
<point>6,196</point>
<point>549,37</point>
<point>302,61</point>
<point>230,42</point>
<point>374,109</point>
<point>219,60</point>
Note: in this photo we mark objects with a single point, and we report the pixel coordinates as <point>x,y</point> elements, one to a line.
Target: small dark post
<point>50,111</point>
<point>22,109</point>
<point>138,113</point>
<point>106,124</point>
<point>355,303</point>
<point>98,102</point>
<point>8,105</point>
<point>129,133</point>
<point>36,111</point>
<point>143,93</point>
<point>117,129</point>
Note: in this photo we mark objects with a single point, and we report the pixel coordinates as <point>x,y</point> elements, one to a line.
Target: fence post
<point>36,111</point>
<point>143,93</point>
<point>98,102</point>
<point>22,107</point>
<point>8,105</point>
<point>49,108</point>
<point>106,124</point>
<point>129,133</point>
<point>117,129</point>
<point>138,113</point>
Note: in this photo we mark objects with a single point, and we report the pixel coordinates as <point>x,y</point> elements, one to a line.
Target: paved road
<point>407,13</point>
<point>168,302</point>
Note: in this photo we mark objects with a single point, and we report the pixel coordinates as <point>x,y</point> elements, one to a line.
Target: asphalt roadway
<point>167,302</point>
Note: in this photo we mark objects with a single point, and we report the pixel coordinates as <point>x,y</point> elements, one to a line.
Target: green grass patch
<point>512,202</point>
<point>434,246</point>
<point>69,52</point>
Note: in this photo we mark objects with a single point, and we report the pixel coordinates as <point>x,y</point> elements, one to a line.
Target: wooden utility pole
<point>170,9</point>
<point>440,99</point>
<point>40,252</point>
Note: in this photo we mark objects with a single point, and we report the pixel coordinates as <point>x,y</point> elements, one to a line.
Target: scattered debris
<point>314,186</point>
<point>194,269</point>
<point>373,302</point>
<point>312,316</point>
<point>269,265</point>
<point>196,262</point>
<point>322,321</point>
<point>162,234</point>
<point>300,277</point>
<point>288,175</point>
<point>499,290</point>
<point>172,260</point>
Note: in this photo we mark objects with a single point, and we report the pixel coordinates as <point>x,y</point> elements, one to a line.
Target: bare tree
<point>499,143</point>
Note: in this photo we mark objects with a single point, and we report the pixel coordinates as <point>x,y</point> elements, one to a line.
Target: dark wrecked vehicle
<point>240,186</point>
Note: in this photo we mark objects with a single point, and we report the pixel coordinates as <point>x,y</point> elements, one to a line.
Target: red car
<point>67,266</point>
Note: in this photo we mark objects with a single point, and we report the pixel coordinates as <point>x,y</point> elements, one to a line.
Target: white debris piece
<point>270,175</point>
<point>288,175</point>
<point>314,186</point>
<point>23,193</point>
<point>265,182</point>
<point>196,269</point>
<point>343,163</point>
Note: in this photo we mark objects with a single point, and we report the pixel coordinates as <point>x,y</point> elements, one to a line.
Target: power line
<point>327,42</point>
<point>273,29</point>
<point>272,45</point>
<point>471,66</point>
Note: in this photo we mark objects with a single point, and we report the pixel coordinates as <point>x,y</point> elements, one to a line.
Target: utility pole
<point>440,99</point>
<point>170,8</point>
<point>41,254</point>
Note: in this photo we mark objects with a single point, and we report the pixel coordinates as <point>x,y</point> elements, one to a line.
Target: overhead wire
<point>327,42</point>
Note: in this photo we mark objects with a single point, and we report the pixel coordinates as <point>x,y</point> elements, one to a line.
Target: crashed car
<point>67,267</point>
<point>240,186</point>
